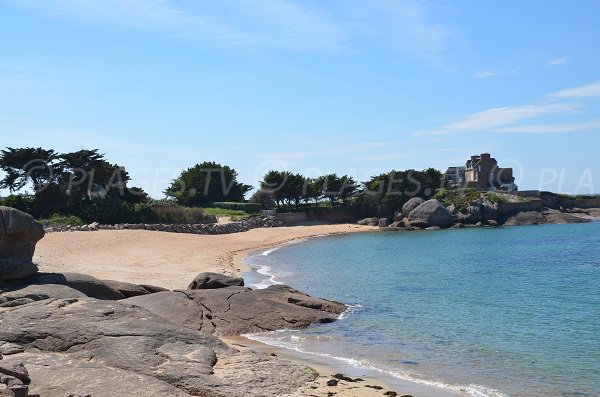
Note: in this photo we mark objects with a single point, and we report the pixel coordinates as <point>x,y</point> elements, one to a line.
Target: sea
<point>483,312</point>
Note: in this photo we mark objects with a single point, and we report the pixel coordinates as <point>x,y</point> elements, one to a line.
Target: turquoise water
<point>492,312</point>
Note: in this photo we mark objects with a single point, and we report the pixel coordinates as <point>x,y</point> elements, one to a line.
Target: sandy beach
<point>169,260</point>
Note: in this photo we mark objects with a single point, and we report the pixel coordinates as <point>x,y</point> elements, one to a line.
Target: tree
<point>206,183</point>
<point>66,183</point>
<point>312,190</point>
<point>273,183</point>
<point>337,188</point>
<point>27,165</point>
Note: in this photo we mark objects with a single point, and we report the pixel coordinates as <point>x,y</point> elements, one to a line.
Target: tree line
<point>85,184</point>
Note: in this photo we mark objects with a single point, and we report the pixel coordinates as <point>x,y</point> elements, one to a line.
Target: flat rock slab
<point>57,375</point>
<point>85,346</point>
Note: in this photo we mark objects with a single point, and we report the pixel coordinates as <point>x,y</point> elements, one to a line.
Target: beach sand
<point>169,260</point>
<point>172,260</point>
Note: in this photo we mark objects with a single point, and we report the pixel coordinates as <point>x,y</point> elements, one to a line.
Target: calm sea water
<point>493,312</point>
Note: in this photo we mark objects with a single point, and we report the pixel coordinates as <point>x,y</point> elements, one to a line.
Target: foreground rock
<point>209,280</point>
<point>239,310</point>
<point>73,346</point>
<point>430,213</point>
<point>19,233</point>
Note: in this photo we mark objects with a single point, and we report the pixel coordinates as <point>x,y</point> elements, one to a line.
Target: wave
<point>269,251</point>
<point>350,310</point>
<point>278,339</point>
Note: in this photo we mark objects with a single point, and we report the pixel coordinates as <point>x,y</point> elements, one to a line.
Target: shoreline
<point>326,367</point>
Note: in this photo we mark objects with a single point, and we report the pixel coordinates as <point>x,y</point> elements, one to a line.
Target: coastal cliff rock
<point>411,205</point>
<point>471,215</point>
<point>19,233</point>
<point>430,213</point>
<point>209,280</point>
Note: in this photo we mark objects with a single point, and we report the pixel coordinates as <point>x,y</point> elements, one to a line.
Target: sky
<point>355,87</point>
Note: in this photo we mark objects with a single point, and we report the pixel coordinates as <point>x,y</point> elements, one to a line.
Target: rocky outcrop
<point>411,205</point>
<point>153,347</point>
<point>72,285</point>
<point>430,213</point>
<point>238,310</point>
<point>192,228</point>
<point>542,217</point>
<point>470,215</point>
<point>209,280</point>
<point>19,233</point>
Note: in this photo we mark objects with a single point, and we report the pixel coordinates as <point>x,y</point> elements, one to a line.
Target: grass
<point>235,215</point>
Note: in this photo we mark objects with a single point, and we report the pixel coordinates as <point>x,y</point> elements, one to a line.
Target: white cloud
<point>400,25</point>
<point>559,61</point>
<point>485,75</point>
<point>583,91</point>
<point>550,128</point>
<point>226,22</point>
<point>498,117</point>
<point>405,24</point>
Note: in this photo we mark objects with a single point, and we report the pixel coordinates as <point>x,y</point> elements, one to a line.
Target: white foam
<point>271,276</point>
<point>279,339</point>
<point>350,310</point>
<point>269,251</point>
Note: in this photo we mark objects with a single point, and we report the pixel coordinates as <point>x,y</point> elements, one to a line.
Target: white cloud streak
<point>498,117</point>
<point>551,128</point>
<point>506,119</point>
<point>282,24</point>
<point>583,91</point>
<point>559,61</point>
<point>485,75</point>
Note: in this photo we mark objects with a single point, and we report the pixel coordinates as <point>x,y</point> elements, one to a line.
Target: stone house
<point>481,172</point>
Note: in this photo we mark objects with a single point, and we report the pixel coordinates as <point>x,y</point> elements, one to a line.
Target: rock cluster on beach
<point>193,228</point>
<point>78,335</point>
<point>432,214</point>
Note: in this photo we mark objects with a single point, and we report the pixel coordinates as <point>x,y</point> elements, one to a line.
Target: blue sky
<point>357,87</point>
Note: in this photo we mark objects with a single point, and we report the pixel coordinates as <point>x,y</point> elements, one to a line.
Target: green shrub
<point>251,208</point>
<point>495,198</point>
<point>22,202</point>
<point>567,196</point>
<point>63,220</point>
<point>460,198</point>
<point>165,211</point>
<point>234,215</point>
<point>441,194</point>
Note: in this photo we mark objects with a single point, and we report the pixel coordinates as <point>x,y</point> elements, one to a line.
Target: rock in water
<point>19,233</point>
<point>430,213</point>
<point>411,205</point>
<point>209,280</point>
